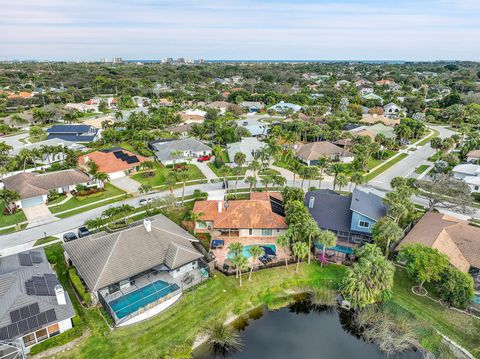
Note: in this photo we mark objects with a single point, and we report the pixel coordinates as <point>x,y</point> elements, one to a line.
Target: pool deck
<point>221,253</point>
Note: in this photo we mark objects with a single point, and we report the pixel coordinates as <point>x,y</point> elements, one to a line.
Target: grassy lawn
<point>420,169</point>
<point>110,191</point>
<point>225,170</point>
<point>268,172</point>
<point>385,167</point>
<point>428,138</point>
<point>216,299</point>
<point>41,241</point>
<point>9,219</point>
<point>437,156</point>
<point>221,297</point>
<point>13,229</point>
<point>161,172</point>
<point>457,326</point>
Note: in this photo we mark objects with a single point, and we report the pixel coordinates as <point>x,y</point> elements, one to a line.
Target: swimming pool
<point>246,253</point>
<point>140,298</point>
<point>476,299</point>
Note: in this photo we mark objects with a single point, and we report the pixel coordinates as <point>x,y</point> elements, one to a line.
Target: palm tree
<point>357,179</point>
<point>145,188</point>
<point>254,166</point>
<point>8,196</point>
<point>266,180</point>
<point>252,181</point>
<point>296,168</point>
<point>283,240</point>
<point>311,230</point>
<point>255,252</point>
<point>101,177</point>
<point>342,180</point>
<point>236,248</point>
<point>240,263</point>
<point>94,223</point>
<point>336,168</point>
<point>92,167</point>
<point>170,181</point>
<point>327,238</point>
<point>182,176</point>
<point>300,250</point>
<point>24,155</point>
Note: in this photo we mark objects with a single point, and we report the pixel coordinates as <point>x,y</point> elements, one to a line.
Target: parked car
<point>83,232</point>
<point>69,236</point>
<point>204,158</point>
<point>144,201</point>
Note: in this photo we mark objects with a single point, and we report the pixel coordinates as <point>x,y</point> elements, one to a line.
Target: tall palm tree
<point>296,168</point>
<point>255,252</point>
<point>236,248</point>
<point>240,263</point>
<point>327,238</point>
<point>342,181</point>
<point>357,179</point>
<point>300,250</point>
<point>311,230</point>
<point>252,181</point>
<point>284,240</point>
<point>183,176</point>
<point>101,177</point>
<point>170,181</point>
<point>254,166</point>
<point>336,168</point>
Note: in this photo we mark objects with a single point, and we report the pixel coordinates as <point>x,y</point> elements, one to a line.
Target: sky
<point>240,29</point>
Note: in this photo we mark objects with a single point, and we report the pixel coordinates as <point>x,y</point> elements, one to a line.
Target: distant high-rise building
<point>117,60</point>
<point>167,60</point>
<point>103,60</point>
<point>180,60</point>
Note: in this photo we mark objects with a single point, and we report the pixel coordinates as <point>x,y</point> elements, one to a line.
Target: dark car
<point>83,232</point>
<point>69,236</point>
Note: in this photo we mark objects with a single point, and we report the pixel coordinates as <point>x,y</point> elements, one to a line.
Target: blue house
<point>74,133</point>
<point>351,218</point>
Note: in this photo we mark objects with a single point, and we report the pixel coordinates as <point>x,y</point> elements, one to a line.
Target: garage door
<point>34,201</point>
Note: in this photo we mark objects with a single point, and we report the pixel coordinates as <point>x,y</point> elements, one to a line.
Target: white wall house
<point>470,174</point>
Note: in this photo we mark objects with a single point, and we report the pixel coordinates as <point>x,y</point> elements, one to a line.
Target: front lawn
<point>161,172</point>
<point>74,202</point>
<point>385,167</point>
<point>227,171</point>
<point>9,219</point>
<point>457,326</point>
<point>420,169</point>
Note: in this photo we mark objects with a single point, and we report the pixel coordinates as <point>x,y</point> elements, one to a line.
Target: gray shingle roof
<point>247,145</point>
<point>29,184</point>
<point>163,150</point>
<point>330,210</point>
<point>13,293</point>
<point>368,204</point>
<point>107,258</point>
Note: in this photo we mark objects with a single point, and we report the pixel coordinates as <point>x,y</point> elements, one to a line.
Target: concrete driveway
<point>38,215</point>
<point>207,172</point>
<point>127,184</point>
<point>14,141</point>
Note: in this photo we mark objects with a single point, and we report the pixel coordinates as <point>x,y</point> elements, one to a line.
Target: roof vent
<point>147,224</point>
<point>311,202</point>
<point>60,294</point>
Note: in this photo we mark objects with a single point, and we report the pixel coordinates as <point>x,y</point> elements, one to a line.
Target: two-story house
<point>74,133</point>
<point>256,221</point>
<point>351,218</point>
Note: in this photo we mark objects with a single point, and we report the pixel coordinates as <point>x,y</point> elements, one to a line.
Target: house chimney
<point>311,202</point>
<point>219,206</point>
<point>147,224</point>
<point>60,294</point>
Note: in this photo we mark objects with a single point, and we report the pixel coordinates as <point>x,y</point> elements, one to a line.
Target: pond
<point>302,331</point>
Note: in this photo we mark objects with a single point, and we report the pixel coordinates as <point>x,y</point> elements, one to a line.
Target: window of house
<point>476,188</point>
<point>266,232</point>
<point>41,334</point>
<point>201,225</point>
<point>53,329</point>
<point>250,232</point>
<point>364,224</point>
<point>29,339</point>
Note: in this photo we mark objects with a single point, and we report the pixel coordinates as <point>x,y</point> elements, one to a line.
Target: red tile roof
<point>108,163</point>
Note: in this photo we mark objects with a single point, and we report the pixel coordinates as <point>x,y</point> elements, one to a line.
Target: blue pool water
<point>341,249</point>
<point>140,298</point>
<point>245,252</point>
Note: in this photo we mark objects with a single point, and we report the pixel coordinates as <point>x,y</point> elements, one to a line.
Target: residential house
<point>248,145</point>
<point>468,173</point>
<point>365,90</point>
<point>140,271</point>
<point>310,153</point>
<point>351,218</point>
<point>373,131</point>
<point>169,152</point>
<point>34,188</point>
<point>473,156</point>
<point>74,133</point>
<point>455,238</point>
<point>256,127</point>
<point>222,106</point>
<point>256,221</point>
<point>252,106</point>
<point>283,107</point>
<point>33,304</point>
<point>373,119</point>
<point>384,82</point>
<point>183,130</point>
<point>116,162</point>
<point>373,96</point>
<point>391,110</point>
<point>53,156</point>
<point>193,116</point>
